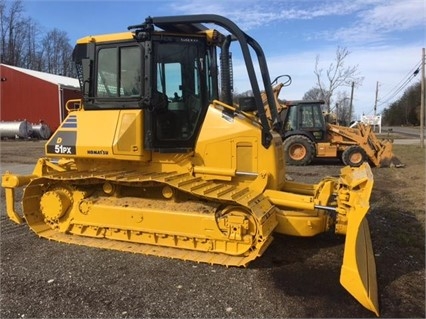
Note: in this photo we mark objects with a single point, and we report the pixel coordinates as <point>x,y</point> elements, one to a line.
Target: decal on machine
<point>97,152</point>
<point>63,143</point>
<point>70,122</point>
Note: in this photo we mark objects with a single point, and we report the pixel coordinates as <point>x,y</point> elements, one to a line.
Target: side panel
<point>326,150</point>
<point>109,134</point>
<point>128,134</point>
<point>233,144</point>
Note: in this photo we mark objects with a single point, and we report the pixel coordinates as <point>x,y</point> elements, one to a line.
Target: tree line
<point>405,110</point>
<point>23,44</point>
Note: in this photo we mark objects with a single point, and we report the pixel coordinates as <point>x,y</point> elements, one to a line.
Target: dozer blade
<point>358,272</point>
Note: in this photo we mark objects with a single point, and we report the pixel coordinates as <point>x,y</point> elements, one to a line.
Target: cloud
<point>249,14</point>
<point>378,23</point>
<point>396,16</point>
<point>384,37</point>
<point>369,20</point>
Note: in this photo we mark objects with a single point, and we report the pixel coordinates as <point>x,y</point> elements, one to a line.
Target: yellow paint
<point>122,36</point>
<point>219,203</point>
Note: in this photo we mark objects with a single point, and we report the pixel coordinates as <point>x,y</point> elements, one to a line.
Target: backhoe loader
<point>307,135</point>
<point>152,160</point>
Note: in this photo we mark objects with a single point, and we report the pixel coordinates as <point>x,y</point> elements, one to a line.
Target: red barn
<point>35,96</point>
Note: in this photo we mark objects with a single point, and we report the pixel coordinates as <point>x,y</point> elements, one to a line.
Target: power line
<point>415,69</point>
<point>401,85</point>
<point>397,88</point>
<point>398,91</point>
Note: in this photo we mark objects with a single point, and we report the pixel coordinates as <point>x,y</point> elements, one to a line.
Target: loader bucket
<point>358,272</point>
<point>388,159</point>
<point>386,156</point>
<point>392,161</point>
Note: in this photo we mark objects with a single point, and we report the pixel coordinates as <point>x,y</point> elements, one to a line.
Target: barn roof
<point>53,78</point>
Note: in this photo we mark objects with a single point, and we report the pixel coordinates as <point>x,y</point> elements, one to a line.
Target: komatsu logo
<point>97,152</point>
<point>189,40</point>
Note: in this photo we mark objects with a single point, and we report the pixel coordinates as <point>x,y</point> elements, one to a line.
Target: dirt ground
<point>296,277</point>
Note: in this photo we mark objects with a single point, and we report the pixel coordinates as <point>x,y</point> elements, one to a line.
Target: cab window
<point>119,72</point>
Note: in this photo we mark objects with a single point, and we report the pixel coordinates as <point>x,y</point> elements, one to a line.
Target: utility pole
<point>350,103</point>
<point>375,100</point>
<point>422,103</point>
<point>375,105</point>
<point>337,113</point>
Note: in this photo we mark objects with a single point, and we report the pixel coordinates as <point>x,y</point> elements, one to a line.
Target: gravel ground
<point>296,277</point>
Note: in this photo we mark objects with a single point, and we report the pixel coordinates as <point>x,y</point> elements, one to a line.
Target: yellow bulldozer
<point>153,160</point>
<point>307,134</point>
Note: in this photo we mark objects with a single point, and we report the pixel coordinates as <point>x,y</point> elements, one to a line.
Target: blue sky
<point>385,37</point>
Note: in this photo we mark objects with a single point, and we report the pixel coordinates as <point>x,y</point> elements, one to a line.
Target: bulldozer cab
<point>304,118</point>
<point>167,67</point>
<point>166,75</point>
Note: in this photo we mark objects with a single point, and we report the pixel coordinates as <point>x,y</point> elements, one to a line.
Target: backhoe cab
<point>154,160</point>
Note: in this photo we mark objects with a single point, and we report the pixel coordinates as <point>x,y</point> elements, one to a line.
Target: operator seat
<point>166,119</point>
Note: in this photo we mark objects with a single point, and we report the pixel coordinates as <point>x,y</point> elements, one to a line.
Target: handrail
<point>80,105</point>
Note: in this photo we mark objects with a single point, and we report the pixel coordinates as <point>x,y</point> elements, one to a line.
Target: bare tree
<point>57,53</point>
<point>10,23</point>
<point>31,56</point>
<point>2,29</point>
<point>20,45</point>
<point>314,94</point>
<point>342,108</point>
<point>336,75</point>
<point>18,35</point>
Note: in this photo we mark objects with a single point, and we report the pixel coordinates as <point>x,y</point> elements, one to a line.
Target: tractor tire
<point>354,156</point>
<point>299,150</point>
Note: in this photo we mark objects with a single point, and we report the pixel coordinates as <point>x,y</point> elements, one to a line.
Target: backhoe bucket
<point>358,272</point>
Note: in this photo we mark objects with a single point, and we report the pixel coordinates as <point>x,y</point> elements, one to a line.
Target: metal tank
<point>41,131</point>
<point>15,129</point>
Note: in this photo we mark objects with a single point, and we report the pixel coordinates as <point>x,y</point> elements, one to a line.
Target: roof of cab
<point>106,37</point>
